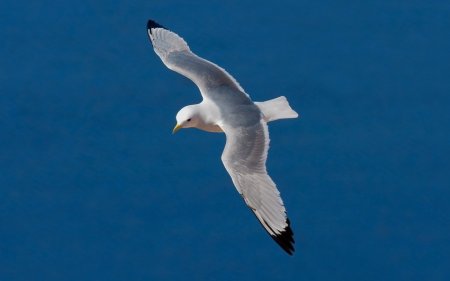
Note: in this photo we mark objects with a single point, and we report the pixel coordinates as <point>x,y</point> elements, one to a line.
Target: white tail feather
<point>275,109</point>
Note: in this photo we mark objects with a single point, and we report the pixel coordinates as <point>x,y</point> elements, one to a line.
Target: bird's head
<point>187,117</point>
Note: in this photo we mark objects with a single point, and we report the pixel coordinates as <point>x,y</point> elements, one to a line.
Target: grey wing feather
<point>244,158</point>
<point>176,55</point>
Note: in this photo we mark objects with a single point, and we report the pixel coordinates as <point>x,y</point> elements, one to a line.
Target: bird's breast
<point>210,128</point>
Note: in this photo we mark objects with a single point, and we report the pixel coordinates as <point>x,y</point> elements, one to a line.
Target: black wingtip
<point>286,239</point>
<point>153,24</point>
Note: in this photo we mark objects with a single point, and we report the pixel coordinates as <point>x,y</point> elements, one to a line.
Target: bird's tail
<point>277,108</point>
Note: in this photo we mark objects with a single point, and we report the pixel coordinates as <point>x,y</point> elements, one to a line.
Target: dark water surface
<point>93,186</point>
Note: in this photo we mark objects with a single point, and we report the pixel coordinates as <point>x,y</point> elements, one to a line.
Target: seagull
<point>227,108</point>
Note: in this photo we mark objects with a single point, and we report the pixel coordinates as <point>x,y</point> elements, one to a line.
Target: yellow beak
<point>176,128</point>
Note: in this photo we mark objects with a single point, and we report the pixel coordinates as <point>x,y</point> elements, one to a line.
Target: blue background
<point>93,185</point>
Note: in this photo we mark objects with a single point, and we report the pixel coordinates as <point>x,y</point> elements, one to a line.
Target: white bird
<point>227,108</point>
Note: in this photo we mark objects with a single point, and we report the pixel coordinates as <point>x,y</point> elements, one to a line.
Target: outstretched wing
<point>176,55</point>
<point>244,157</point>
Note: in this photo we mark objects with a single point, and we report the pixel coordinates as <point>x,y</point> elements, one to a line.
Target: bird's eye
<point>189,120</point>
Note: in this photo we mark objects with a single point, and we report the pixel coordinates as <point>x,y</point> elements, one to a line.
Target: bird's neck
<point>209,117</point>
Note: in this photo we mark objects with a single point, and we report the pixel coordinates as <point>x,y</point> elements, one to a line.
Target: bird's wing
<point>176,55</point>
<point>244,157</point>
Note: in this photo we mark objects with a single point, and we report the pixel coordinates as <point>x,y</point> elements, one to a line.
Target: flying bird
<point>227,108</point>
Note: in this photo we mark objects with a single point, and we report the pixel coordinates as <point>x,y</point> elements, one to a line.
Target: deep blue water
<point>93,185</point>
